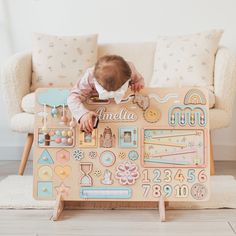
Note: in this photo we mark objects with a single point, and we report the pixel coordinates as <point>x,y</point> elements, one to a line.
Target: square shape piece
<point>87,140</point>
<point>128,137</point>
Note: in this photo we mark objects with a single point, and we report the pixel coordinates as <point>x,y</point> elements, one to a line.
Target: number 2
<point>157,174</point>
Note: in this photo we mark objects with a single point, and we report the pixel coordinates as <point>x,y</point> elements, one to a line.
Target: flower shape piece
<point>78,154</point>
<point>97,173</point>
<point>147,134</point>
<point>93,154</point>
<point>133,155</point>
<point>127,173</point>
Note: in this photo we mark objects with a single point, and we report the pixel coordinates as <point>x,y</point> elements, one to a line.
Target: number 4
<point>179,176</point>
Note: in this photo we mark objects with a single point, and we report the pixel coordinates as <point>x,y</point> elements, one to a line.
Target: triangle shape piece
<point>45,158</point>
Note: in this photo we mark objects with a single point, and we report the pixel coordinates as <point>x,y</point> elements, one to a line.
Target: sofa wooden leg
<point>212,163</point>
<point>25,154</point>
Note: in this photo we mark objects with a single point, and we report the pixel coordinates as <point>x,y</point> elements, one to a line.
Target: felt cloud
<point>53,97</point>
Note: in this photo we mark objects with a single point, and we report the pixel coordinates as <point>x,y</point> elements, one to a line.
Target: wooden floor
<point>117,222</point>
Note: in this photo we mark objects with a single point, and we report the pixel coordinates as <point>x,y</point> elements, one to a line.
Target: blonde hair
<point>112,71</point>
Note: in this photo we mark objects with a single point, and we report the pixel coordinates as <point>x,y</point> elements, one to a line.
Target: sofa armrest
<point>225,80</point>
<point>16,80</point>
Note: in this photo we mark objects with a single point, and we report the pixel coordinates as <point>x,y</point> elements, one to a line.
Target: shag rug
<point>16,193</point>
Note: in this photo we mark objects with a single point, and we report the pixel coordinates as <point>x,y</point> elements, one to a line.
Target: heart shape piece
<point>62,171</point>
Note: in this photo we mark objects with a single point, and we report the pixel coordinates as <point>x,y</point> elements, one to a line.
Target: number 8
<point>156,190</point>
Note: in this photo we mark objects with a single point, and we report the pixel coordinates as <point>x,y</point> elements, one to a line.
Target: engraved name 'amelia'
<point>122,115</point>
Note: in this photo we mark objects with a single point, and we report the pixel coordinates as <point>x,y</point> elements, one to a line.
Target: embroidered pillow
<point>186,60</point>
<point>59,61</point>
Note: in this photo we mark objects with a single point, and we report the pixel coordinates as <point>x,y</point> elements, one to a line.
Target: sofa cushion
<point>186,60</point>
<point>23,123</point>
<point>59,61</point>
<point>28,102</point>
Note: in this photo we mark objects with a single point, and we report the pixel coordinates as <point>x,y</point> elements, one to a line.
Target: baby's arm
<point>137,80</point>
<point>77,96</point>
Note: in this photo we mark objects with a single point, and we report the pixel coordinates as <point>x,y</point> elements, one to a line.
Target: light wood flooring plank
<point>129,228</point>
<point>233,226</point>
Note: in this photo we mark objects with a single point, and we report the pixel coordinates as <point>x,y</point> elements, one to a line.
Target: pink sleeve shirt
<point>84,88</point>
<point>79,93</point>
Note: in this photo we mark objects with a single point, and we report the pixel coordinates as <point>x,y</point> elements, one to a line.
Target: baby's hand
<point>86,121</point>
<point>137,84</point>
<point>137,81</point>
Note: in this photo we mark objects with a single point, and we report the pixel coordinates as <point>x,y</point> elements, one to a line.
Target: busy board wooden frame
<point>153,146</point>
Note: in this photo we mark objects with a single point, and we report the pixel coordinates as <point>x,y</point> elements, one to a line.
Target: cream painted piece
<point>154,145</point>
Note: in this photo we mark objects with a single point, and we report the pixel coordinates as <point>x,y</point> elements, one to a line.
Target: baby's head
<point>111,72</point>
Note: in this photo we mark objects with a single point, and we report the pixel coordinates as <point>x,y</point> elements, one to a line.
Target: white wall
<point>116,21</point>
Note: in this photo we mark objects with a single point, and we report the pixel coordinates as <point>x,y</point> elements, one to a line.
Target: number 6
<point>202,176</point>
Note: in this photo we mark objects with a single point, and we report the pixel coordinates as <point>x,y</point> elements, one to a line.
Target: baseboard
<point>220,152</point>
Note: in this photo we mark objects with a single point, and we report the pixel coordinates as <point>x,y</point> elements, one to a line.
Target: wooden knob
<point>45,190</point>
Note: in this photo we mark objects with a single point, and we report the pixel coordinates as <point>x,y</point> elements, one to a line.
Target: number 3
<point>167,173</point>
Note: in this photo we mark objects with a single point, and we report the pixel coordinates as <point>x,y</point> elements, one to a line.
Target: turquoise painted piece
<point>107,158</point>
<point>54,97</point>
<point>166,161</point>
<point>105,193</point>
<point>45,158</point>
<point>45,189</point>
<point>133,155</point>
<point>128,137</point>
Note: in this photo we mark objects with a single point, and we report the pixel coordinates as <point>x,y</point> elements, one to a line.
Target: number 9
<point>167,190</point>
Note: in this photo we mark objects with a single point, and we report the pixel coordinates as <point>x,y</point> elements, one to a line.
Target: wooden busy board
<point>153,144</point>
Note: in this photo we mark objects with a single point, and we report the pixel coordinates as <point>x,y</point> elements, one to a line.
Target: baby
<point>109,78</point>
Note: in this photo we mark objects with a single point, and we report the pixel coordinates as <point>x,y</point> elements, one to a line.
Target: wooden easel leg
<point>58,208</point>
<point>212,163</point>
<point>162,211</point>
<point>25,154</point>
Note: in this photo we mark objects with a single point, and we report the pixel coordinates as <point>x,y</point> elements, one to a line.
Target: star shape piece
<point>62,189</point>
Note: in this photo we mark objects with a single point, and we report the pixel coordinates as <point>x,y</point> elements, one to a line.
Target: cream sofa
<point>17,74</point>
